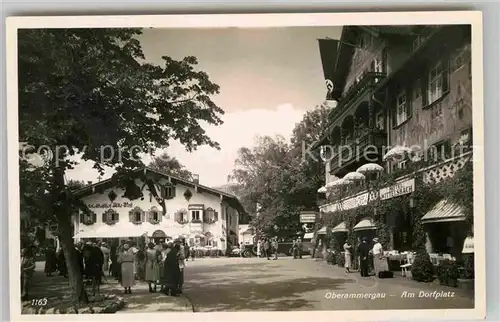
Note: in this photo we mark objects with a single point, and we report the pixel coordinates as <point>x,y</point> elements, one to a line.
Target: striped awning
<point>322,231</point>
<point>340,228</point>
<point>365,224</point>
<point>444,211</point>
<point>308,235</point>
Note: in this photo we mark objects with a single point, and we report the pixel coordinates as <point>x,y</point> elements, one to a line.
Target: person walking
<point>347,255</point>
<point>61,263</point>
<point>259,248</point>
<point>126,260</point>
<point>182,262</point>
<point>299,247</point>
<point>171,271</point>
<point>294,248</point>
<point>153,258</point>
<point>378,257</point>
<point>27,269</point>
<point>267,248</point>
<point>164,250</point>
<point>275,247</point>
<point>50,261</point>
<point>363,251</point>
<point>242,249</point>
<point>106,252</point>
<point>95,262</point>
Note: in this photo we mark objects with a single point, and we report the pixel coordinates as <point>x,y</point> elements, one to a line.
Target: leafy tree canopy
<point>168,164</point>
<point>279,178</point>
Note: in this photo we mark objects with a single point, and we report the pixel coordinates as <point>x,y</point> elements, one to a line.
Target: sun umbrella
<point>322,190</point>
<point>354,176</point>
<point>396,151</point>
<point>338,183</point>
<point>370,168</point>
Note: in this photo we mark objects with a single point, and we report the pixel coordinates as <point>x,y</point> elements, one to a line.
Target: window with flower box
<point>181,216</point>
<point>110,217</point>
<point>167,191</point>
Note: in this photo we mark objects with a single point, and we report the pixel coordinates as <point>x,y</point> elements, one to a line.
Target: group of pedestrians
<point>366,252</point>
<point>161,265</point>
<point>267,247</point>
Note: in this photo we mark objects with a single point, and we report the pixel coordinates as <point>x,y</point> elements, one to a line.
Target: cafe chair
<point>407,266</point>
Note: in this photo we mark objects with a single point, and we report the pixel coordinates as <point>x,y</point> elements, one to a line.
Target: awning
<point>340,228</point>
<point>308,235</point>
<point>444,211</point>
<point>322,231</point>
<point>365,224</point>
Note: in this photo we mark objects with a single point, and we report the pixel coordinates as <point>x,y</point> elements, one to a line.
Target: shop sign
<point>308,217</point>
<point>108,205</point>
<point>398,189</point>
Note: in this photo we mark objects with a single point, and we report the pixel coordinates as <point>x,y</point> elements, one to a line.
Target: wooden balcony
<point>358,150</point>
<point>355,92</point>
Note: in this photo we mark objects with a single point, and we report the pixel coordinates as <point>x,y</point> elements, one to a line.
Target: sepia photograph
<point>237,167</point>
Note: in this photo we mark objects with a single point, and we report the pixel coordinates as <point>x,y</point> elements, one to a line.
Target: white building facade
<point>181,208</point>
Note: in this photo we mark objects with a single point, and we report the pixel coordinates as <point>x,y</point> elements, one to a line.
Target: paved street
<point>243,284</point>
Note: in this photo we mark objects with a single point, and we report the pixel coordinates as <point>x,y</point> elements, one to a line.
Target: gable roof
<point>105,184</point>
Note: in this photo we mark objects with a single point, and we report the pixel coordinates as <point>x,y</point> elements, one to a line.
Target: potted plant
<point>453,274</point>
<point>466,278</point>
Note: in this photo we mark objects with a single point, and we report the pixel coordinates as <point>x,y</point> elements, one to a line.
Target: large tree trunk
<point>64,216</point>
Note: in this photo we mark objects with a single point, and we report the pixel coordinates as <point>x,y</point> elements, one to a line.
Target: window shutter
<point>117,217</point>
<point>149,215</point>
<point>163,192</point>
<point>205,216</point>
<point>82,217</point>
<point>131,216</point>
<point>160,217</point>
<point>143,216</point>
<point>104,217</point>
<point>446,73</point>
<point>177,216</point>
<point>394,113</point>
<point>173,191</point>
<point>94,218</point>
<point>216,216</point>
<point>424,84</point>
<point>409,105</point>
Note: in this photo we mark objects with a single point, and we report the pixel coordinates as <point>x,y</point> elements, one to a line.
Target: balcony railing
<point>368,80</point>
<point>430,175</point>
<point>357,150</point>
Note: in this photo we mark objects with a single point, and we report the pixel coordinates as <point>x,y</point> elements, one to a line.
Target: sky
<point>268,78</point>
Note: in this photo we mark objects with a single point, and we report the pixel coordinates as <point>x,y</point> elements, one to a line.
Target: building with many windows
<point>404,112</point>
<point>177,207</point>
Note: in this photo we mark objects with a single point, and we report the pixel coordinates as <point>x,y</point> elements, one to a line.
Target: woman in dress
<point>347,254</point>
<point>126,260</point>
<point>50,261</point>
<point>106,253</point>
<point>153,258</point>
<point>164,249</point>
<point>171,271</point>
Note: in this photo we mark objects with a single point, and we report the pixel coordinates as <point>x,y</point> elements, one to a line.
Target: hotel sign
<point>110,205</point>
<point>398,189</point>
<point>308,217</point>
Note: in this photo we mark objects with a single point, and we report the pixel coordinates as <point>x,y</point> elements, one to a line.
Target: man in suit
<point>363,251</point>
<point>267,248</point>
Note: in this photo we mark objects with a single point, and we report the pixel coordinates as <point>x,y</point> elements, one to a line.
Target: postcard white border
<point>255,21</point>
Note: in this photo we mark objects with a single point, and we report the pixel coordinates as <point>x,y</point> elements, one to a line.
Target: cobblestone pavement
<point>56,289</point>
<point>244,284</point>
